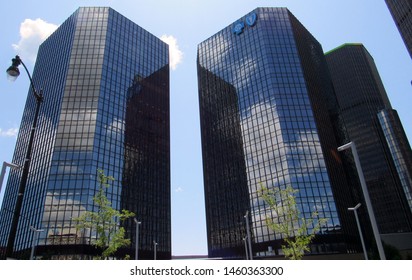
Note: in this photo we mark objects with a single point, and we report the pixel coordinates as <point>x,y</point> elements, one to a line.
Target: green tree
<point>110,236</point>
<point>287,221</point>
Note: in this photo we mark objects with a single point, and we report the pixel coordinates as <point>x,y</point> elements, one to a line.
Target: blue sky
<point>189,22</point>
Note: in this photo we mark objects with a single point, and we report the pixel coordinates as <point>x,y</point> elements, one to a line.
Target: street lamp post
<point>155,249</point>
<point>355,211</point>
<point>248,235</point>
<point>3,171</point>
<point>137,238</point>
<point>369,208</point>
<point>13,72</point>
<point>35,240</point>
<point>245,242</point>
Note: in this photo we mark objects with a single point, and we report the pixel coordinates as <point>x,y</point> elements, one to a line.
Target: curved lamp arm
<point>13,72</point>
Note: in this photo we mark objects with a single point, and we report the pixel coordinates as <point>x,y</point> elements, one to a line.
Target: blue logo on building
<point>251,19</point>
<point>238,27</point>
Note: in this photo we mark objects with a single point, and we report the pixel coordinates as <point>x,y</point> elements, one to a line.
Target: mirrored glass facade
<point>361,96</point>
<point>399,148</point>
<point>401,11</point>
<point>106,106</point>
<point>263,83</point>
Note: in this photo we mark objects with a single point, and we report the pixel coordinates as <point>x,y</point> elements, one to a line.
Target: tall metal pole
<point>3,171</point>
<point>246,252</point>
<point>26,167</point>
<point>137,238</point>
<point>249,239</point>
<point>34,241</point>
<point>355,210</point>
<point>366,196</point>
<point>155,250</point>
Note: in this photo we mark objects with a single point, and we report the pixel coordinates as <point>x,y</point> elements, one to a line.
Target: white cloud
<point>179,189</point>
<point>32,34</point>
<point>175,54</point>
<point>11,132</point>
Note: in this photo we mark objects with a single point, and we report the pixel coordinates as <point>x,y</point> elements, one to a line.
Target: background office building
<point>401,11</point>
<point>373,125</point>
<point>106,106</point>
<point>265,120</point>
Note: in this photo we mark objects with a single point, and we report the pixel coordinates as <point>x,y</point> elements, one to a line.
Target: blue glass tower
<point>106,106</point>
<point>266,120</point>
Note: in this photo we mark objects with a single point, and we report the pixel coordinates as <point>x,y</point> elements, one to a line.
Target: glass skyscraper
<point>383,148</point>
<point>265,111</point>
<point>106,106</point>
<point>401,11</point>
<point>399,149</point>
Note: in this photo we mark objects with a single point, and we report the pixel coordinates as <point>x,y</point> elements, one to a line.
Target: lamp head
<point>355,208</point>
<point>13,71</point>
<point>344,147</point>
